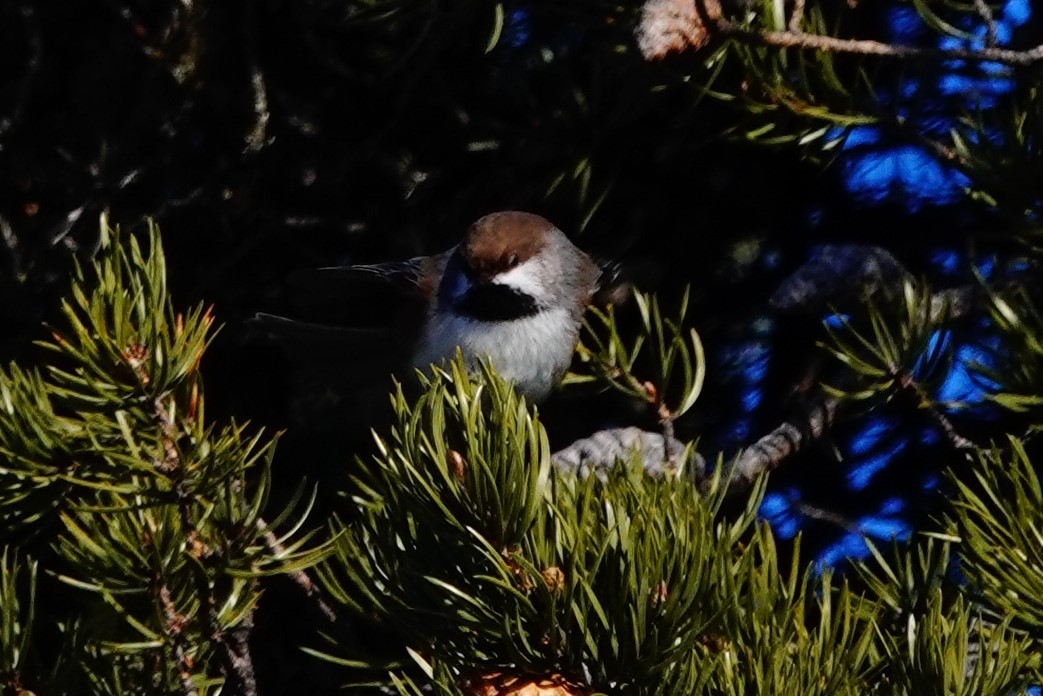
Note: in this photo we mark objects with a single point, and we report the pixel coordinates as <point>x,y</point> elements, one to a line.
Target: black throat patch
<point>496,303</point>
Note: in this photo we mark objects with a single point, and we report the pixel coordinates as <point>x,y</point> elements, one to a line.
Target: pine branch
<point>28,72</point>
<point>908,384</point>
<point>670,25</point>
<point>985,12</point>
<point>18,603</point>
<point>797,18</point>
<point>782,443</point>
<point>299,577</point>
<point>153,502</point>
<point>602,450</point>
<point>865,47</point>
<point>233,645</point>
<point>174,625</point>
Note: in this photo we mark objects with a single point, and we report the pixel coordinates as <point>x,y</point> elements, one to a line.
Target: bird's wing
<point>332,374</point>
<point>389,294</point>
<point>357,353</point>
<point>351,327</point>
<point>417,276</point>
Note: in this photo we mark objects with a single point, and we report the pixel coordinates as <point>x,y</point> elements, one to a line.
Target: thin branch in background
<point>10,242</point>
<point>797,18</point>
<point>985,12</point>
<point>955,439</point>
<point>298,577</point>
<point>237,663</point>
<point>782,443</point>
<point>29,72</point>
<point>604,448</point>
<point>924,402</point>
<point>670,25</point>
<point>258,135</point>
<point>867,47</point>
<point>816,513</point>
<point>174,624</point>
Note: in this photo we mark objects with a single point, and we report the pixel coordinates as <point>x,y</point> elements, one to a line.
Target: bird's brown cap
<point>501,241</point>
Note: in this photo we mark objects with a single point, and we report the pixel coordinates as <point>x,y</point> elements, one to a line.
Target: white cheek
<point>525,278</point>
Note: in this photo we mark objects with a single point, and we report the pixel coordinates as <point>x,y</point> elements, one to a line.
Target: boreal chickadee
<point>514,290</point>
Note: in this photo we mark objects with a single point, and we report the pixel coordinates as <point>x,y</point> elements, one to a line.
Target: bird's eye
<point>512,261</point>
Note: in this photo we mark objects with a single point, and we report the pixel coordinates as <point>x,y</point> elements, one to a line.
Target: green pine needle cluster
<point>143,509</point>
<point>629,583</point>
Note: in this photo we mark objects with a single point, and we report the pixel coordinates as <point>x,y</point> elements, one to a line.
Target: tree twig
<point>797,17</point>
<point>816,513</point>
<point>782,443</point>
<point>173,623</point>
<point>604,448</point>
<point>298,577</point>
<point>923,401</point>
<point>237,663</point>
<point>237,640</point>
<point>869,47</point>
<point>28,73</point>
<point>257,137</point>
<point>668,25</point>
<point>985,12</point>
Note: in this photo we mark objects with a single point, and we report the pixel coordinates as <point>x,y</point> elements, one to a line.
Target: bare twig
<point>782,443</point>
<point>797,17</point>
<point>600,451</point>
<point>299,577</point>
<point>670,449</point>
<point>867,47</point>
<point>237,663</point>
<point>174,624</point>
<point>945,425</point>
<point>28,73</point>
<point>667,26</point>
<point>789,438</point>
<point>924,402</point>
<point>817,513</point>
<point>604,448</point>
<point>257,138</point>
<point>985,12</point>
<point>237,640</point>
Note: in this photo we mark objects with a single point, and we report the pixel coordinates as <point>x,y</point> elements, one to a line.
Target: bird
<point>514,291</point>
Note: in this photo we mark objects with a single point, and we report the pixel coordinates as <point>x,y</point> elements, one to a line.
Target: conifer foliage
<point>491,570</point>
<point>150,515</point>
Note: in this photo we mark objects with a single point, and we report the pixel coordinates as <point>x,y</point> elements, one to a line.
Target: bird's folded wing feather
<point>353,326</point>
